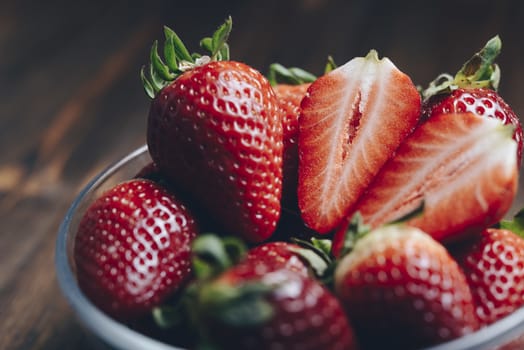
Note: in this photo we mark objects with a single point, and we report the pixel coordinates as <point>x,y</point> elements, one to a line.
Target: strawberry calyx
<point>316,252</point>
<point>162,71</point>
<point>515,225</point>
<point>479,71</point>
<point>279,74</point>
<point>212,255</point>
<point>236,305</point>
<point>354,232</point>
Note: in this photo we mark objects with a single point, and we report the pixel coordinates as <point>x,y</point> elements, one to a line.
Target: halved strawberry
<point>461,167</point>
<point>352,121</point>
<point>402,290</point>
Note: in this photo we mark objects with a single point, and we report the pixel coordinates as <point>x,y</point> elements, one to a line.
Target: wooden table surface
<point>71,101</point>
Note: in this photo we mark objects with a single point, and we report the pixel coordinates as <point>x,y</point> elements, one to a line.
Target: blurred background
<point>71,100</point>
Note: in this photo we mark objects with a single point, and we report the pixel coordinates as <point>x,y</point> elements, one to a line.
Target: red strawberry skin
<point>462,166</point>
<point>289,99</point>
<point>132,248</point>
<point>278,255</point>
<point>352,120</point>
<point>305,314</point>
<point>493,263</point>
<point>216,132</point>
<point>481,101</point>
<point>402,290</point>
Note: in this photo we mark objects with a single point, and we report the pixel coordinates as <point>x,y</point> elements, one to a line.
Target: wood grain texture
<point>71,101</point>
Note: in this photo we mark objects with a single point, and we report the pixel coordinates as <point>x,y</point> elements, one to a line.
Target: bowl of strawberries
<point>303,212</point>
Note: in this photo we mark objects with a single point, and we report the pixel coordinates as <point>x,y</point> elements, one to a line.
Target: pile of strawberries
<point>349,211</point>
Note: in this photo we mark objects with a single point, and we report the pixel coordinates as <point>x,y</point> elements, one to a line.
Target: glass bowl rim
<point>120,336</point>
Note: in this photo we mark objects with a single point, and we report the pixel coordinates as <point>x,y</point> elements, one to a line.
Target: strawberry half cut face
<point>462,167</point>
<point>352,121</point>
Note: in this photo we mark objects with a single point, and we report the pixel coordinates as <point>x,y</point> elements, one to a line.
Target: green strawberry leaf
<point>480,70</point>
<point>156,81</point>
<point>356,230</point>
<point>160,68</point>
<point>170,54</point>
<point>207,44</point>
<point>278,74</point>
<point>246,312</point>
<point>167,316</point>
<point>317,264</point>
<point>516,225</point>
<point>330,65</point>
<point>213,255</point>
<point>239,305</point>
<point>223,53</point>
<point>180,49</point>
<point>177,59</point>
<point>148,87</point>
<point>220,36</point>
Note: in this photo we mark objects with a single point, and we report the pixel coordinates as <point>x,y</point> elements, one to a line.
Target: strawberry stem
<point>479,71</point>
<point>372,55</point>
<point>330,65</point>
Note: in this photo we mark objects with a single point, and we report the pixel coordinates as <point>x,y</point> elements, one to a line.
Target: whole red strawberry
<point>289,98</point>
<point>279,255</point>
<point>402,290</point>
<point>132,248</point>
<point>473,89</point>
<point>215,130</point>
<point>251,306</point>
<point>493,263</point>
<point>290,86</point>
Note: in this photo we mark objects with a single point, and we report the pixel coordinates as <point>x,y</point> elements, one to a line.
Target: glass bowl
<point>506,334</point>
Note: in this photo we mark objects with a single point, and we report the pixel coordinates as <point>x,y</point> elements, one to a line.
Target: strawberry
<point>493,263</point>
<point>214,130</point>
<point>251,306</point>
<point>473,89</point>
<point>352,121</point>
<point>289,98</point>
<point>307,258</point>
<point>402,290</point>
<point>290,86</point>
<point>132,248</point>
<point>461,168</point>
<point>279,255</point>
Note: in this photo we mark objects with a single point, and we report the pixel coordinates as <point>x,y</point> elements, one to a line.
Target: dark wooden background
<point>71,101</point>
